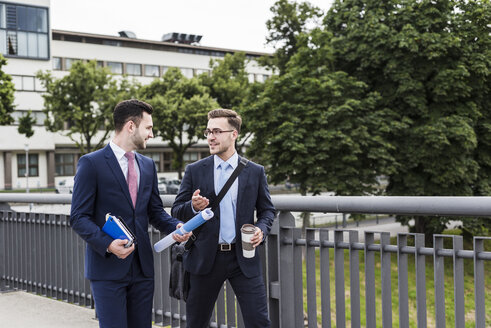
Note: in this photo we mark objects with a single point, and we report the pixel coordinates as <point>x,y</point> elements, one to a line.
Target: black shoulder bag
<point>179,278</point>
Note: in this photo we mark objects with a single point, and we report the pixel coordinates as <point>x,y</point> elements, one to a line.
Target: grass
<point>430,292</point>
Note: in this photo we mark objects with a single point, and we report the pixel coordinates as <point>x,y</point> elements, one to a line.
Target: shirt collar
<point>118,151</point>
<point>233,160</point>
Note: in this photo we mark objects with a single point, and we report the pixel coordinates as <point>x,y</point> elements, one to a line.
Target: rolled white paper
<point>189,226</point>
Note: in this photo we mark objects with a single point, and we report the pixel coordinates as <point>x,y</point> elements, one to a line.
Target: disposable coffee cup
<point>247,231</point>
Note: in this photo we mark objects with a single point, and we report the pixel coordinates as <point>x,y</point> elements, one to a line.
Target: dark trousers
<point>204,289</point>
<point>125,303</point>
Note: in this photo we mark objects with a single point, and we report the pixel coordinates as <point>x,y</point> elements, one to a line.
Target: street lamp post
<point>27,167</point>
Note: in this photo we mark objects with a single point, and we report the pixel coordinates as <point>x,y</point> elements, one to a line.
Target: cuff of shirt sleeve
<point>192,208</point>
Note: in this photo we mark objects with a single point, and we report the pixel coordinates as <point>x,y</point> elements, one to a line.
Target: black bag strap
<point>242,163</point>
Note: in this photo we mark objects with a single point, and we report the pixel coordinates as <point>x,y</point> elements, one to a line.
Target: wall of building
<point>28,96</point>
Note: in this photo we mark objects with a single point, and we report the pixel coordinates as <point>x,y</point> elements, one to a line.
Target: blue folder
<point>117,229</point>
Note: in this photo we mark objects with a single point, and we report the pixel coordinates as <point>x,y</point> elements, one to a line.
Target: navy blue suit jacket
<point>253,194</point>
<point>100,188</point>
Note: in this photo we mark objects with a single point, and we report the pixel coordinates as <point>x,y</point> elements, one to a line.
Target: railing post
<point>371,318</point>
<point>325,280</point>
<point>438,265</point>
<point>3,250</point>
<point>286,272</point>
<point>420,267</point>
<point>354,272</point>
<point>273,272</point>
<point>402,280</point>
<point>458,280</point>
<point>339,279</point>
<point>386,281</point>
<point>310,276</point>
<point>479,285</point>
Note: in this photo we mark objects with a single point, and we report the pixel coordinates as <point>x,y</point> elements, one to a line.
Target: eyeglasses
<point>215,132</point>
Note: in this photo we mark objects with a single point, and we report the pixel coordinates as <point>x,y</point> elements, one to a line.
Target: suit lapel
<point>113,164</point>
<point>143,177</point>
<point>243,179</point>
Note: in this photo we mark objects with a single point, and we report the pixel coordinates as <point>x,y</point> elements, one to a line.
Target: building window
<point>100,63</point>
<point>33,165</point>
<point>134,69</point>
<point>28,83</point>
<point>57,63</point>
<point>2,15</point>
<point>190,158</point>
<point>167,162</point>
<point>151,70</point>
<point>156,159</point>
<point>24,31</point>
<point>187,72</point>
<point>201,71</point>
<point>204,154</point>
<point>116,68</point>
<point>69,63</point>
<point>65,164</point>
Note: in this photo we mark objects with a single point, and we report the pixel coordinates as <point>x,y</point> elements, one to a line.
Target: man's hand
<point>181,238</point>
<point>199,202</point>
<point>257,238</point>
<point>117,248</point>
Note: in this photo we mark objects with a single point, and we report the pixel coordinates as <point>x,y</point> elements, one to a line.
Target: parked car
<point>65,186</point>
<point>162,186</point>
<point>173,186</point>
<point>169,186</point>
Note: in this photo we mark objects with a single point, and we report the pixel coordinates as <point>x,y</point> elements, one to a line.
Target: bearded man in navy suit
<point>216,255</point>
<point>119,181</point>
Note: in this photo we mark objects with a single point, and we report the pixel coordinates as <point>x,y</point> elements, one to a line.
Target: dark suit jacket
<point>253,194</point>
<point>100,188</point>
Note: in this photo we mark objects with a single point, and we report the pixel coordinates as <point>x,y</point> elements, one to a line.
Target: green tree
<point>320,128</point>
<point>25,124</point>
<point>418,56</point>
<point>228,80</point>
<point>290,19</point>
<point>229,85</point>
<point>180,113</point>
<point>80,104</point>
<point>6,95</point>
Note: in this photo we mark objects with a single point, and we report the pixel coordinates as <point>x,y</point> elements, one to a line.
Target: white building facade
<point>30,45</point>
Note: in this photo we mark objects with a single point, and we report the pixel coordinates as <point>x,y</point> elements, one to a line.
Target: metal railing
<point>41,254</point>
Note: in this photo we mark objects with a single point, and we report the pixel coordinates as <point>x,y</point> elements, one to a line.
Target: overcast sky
<point>233,24</point>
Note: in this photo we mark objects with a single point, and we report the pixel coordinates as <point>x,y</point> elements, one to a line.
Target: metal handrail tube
<point>401,205</point>
<point>465,254</point>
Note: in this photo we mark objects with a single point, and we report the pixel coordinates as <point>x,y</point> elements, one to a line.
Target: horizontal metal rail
<point>464,254</point>
<point>401,205</point>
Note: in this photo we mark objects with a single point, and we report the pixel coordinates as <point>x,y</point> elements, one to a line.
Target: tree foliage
<point>429,60</point>
<point>228,80</point>
<point>25,124</point>
<point>180,113</point>
<point>6,95</point>
<point>320,128</point>
<point>80,104</point>
<point>228,83</point>
<point>290,19</point>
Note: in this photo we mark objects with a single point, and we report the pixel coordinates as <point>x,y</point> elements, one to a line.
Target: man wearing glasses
<point>216,255</point>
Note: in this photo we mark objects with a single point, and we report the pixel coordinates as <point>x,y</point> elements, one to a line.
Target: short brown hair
<point>233,118</point>
<point>130,110</point>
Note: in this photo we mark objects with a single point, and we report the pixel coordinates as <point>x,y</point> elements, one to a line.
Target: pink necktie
<point>132,179</point>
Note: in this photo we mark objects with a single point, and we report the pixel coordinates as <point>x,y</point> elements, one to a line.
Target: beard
<point>139,142</point>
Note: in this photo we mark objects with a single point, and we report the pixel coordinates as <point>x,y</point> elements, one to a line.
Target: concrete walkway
<point>24,310</point>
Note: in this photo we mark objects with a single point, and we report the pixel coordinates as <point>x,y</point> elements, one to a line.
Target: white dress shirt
<point>123,161</point>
